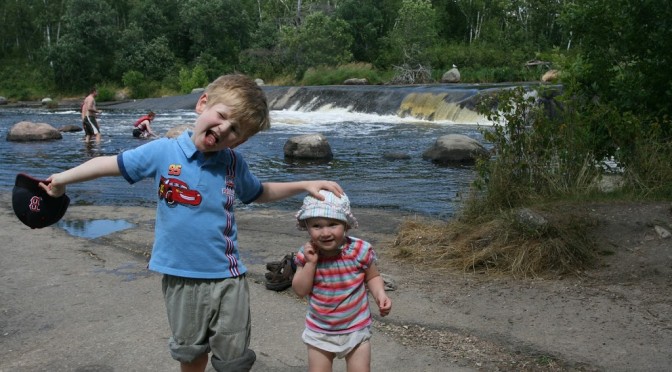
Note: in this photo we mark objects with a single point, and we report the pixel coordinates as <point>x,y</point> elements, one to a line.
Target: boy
<point>333,270</point>
<point>197,177</point>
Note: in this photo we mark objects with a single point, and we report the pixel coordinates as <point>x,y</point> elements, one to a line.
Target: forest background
<point>162,47</point>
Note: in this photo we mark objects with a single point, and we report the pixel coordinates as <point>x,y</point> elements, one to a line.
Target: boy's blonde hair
<point>245,98</point>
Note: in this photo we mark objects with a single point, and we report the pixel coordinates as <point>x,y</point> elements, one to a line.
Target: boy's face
<point>326,234</point>
<point>215,127</point>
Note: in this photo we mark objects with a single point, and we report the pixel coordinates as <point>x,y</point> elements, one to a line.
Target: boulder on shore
<point>25,131</point>
<point>451,76</point>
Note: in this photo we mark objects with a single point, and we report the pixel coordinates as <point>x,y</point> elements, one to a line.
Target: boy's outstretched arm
<point>377,288</point>
<point>95,168</point>
<point>274,191</point>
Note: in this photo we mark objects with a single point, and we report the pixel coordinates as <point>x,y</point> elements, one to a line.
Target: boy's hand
<point>52,188</point>
<point>314,188</point>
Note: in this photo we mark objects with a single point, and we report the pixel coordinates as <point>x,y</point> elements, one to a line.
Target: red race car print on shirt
<point>176,191</point>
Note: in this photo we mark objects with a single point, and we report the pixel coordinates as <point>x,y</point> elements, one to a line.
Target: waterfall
<point>438,102</point>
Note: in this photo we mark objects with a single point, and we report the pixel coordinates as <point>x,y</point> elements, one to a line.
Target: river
<point>359,141</point>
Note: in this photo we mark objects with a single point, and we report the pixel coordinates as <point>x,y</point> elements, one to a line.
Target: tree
<point>320,40</point>
<point>366,26</point>
<point>82,56</point>
<point>414,33</point>
<point>221,28</point>
<point>154,59</point>
<point>626,50</point>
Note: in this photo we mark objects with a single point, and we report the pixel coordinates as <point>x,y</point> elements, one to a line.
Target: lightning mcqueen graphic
<point>176,191</point>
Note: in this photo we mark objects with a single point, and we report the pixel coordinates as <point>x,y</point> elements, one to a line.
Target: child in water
<point>142,128</point>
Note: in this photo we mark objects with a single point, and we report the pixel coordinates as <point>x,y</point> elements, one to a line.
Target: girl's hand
<point>384,305</point>
<point>310,253</point>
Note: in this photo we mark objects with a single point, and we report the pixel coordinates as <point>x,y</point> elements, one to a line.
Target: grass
<point>502,243</point>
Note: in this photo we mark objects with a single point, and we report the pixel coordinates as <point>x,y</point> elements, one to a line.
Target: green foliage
<point>211,66</point>
<point>81,57</point>
<point>262,63</point>
<point>625,52</point>
<point>336,75</point>
<point>414,34</point>
<point>154,59</point>
<point>222,28</point>
<point>106,93</point>
<point>479,56</point>
<point>497,74</point>
<point>541,151</point>
<point>139,85</point>
<point>320,40</point>
<point>366,25</point>
<point>24,81</point>
<point>191,79</point>
<point>650,174</point>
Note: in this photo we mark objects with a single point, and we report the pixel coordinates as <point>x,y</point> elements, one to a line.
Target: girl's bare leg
<point>359,360</point>
<point>319,360</point>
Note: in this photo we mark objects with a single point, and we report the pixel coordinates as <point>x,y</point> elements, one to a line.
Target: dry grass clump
<point>500,245</point>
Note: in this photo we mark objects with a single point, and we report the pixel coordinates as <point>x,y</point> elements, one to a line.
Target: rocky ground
<point>616,316</point>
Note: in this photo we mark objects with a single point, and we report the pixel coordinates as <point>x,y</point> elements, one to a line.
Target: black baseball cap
<point>34,207</point>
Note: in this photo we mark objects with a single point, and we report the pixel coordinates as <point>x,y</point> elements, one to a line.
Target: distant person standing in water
<point>142,128</point>
<point>89,113</point>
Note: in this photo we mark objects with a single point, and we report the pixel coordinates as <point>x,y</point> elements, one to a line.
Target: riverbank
<point>76,304</point>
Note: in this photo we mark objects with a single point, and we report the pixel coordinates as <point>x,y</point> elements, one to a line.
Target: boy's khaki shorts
<point>208,315</point>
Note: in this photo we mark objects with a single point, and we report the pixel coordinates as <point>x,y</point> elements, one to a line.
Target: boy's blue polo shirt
<point>195,232</point>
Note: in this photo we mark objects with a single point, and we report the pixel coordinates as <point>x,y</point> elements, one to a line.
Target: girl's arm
<point>377,288</point>
<point>302,283</point>
<point>274,191</point>
<point>101,166</point>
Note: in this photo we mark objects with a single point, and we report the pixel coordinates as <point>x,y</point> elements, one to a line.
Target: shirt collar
<point>190,151</point>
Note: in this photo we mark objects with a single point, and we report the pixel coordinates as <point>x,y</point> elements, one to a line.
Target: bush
<point>191,79</point>
<point>105,93</point>
<point>541,151</point>
<point>23,81</point>
<point>139,86</point>
<point>337,75</point>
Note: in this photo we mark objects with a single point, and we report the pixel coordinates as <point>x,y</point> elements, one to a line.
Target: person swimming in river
<point>142,128</point>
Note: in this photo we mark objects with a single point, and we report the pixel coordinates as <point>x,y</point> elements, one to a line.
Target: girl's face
<point>215,128</point>
<point>326,234</point>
